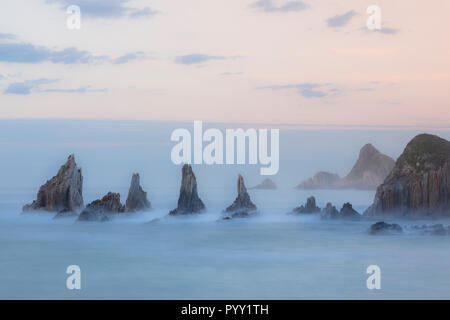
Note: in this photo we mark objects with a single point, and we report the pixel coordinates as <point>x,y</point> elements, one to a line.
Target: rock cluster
<point>242,205</point>
<point>419,184</point>
<point>188,202</point>
<point>63,192</point>
<point>103,209</point>
<point>309,208</point>
<point>329,212</point>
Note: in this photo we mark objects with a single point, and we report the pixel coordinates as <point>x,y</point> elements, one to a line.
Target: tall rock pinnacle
<point>242,206</point>
<point>189,201</point>
<point>137,197</point>
<point>63,192</point>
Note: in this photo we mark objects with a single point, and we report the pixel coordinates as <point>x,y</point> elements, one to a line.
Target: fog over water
<point>273,255</point>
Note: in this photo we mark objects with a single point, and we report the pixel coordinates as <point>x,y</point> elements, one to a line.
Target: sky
<point>241,61</point>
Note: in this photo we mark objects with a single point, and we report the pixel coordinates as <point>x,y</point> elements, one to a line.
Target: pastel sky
<point>264,61</point>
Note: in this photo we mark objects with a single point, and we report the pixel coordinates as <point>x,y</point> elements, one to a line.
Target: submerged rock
<point>347,212</point>
<point>189,202</point>
<point>242,206</point>
<point>383,228</point>
<point>435,230</point>
<point>329,212</point>
<point>63,192</point>
<point>137,197</point>
<point>266,184</point>
<point>104,209</point>
<point>309,208</point>
<point>419,184</point>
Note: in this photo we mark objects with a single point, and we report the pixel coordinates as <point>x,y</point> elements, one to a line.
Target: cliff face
<point>369,171</point>
<point>242,206</point>
<point>63,192</point>
<point>137,197</point>
<point>189,201</point>
<point>419,184</point>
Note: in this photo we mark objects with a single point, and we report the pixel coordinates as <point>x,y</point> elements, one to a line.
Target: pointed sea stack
<point>419,184</point>
<point>63,192</point>
<point>137,197</point>
<point>102,210</point>
<point>242,206</point>
<point>189,201</point>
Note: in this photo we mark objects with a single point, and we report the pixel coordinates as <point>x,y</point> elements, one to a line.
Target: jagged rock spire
<point>137,197</point>
<point>242,206</point>
<point>63,192</point>
<point>189,201</point>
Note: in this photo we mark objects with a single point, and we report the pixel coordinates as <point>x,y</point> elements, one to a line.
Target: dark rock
<point>309,208</point>
<point>242,206</point>
<point>137,197</point>
<point>419,184</point>
<point>435,230</point>
<point>63,192</point>
<point>104,209</point>
<point>266,184</point>
<point>347,212</point>
<point>329,212</point>
<point>383,228</point>
<point>189,201</point>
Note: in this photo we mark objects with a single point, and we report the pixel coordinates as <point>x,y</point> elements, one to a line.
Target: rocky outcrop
<point>63,192</point>
<point>309,208</point>
<point>419,184</point>
<point>369,171</point>
<point>383,228</point>
<point>189,202</point>
<point>102,210</point>
<point>329,212</point>
<point>137,197</point>
<point>347,212</point>
<point>266,184</point>
<point>321,180</point>
<point>242,206</point>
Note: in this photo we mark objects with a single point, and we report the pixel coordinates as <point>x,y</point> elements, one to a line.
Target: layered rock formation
<point>369,171</point>
<point>103,209</point>
<point>137,197</point>
<point>419,184</point>
<point>309,208</point>
<point>266,184</point>
<point>63,192</point>
<point>242,206</point>
<point>189,202</point>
